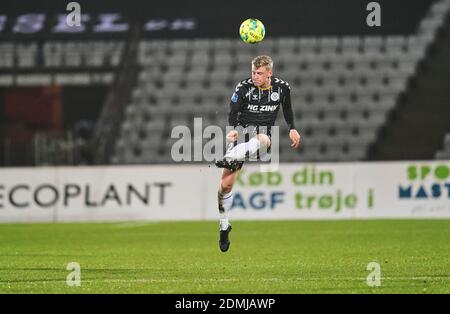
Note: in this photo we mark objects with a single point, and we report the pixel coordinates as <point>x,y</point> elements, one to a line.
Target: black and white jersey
<point>251,105</point>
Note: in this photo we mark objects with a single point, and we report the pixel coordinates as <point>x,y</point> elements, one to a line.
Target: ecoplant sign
<point>97,193</point>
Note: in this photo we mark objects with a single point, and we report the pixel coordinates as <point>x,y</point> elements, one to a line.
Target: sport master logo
<point>426,181</point>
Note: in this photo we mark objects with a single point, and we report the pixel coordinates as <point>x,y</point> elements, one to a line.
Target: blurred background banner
<point>346,190</point>
<point>110,91</point>
<point>178,18</point>
<point>413,189</point>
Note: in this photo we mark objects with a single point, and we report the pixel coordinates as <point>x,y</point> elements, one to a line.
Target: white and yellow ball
<point>252,31</point>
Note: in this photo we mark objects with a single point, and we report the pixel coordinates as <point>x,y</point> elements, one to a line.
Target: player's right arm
<point>236,103</point>
<point>289,117</point>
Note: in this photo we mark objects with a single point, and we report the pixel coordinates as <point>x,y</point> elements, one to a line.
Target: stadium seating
<point>444,153</point>
<point>343,89</point>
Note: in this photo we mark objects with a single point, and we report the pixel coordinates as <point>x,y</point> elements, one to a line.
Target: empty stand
<point>343,89</point>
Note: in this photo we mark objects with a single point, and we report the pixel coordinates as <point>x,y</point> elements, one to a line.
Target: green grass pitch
<point>264,257</point>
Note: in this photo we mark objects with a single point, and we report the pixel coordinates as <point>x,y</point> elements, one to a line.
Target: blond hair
<point>261,61</point>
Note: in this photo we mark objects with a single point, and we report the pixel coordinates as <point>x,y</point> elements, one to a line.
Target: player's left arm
<point>289,117</point>
<point>235,107</point>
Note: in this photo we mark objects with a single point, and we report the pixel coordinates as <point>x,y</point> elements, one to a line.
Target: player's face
<point>261,76</point>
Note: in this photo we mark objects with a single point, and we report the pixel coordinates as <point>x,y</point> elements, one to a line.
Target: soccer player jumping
<point>254,107</point>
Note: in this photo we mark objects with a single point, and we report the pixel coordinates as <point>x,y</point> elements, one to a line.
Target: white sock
<point>225,201</point>
<point>240,151</point>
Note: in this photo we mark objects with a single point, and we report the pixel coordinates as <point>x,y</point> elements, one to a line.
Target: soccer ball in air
<point>252,31</point>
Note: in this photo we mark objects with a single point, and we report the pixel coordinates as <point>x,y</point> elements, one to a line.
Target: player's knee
<point>226,187</point>
<point>264,140</point>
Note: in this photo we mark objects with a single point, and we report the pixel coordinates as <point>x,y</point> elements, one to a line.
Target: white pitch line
<point>126,225</point>
<point>362,279</point>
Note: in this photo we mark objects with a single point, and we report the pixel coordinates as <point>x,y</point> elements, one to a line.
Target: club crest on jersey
<point>275,96</point>
<point>234,98</point>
